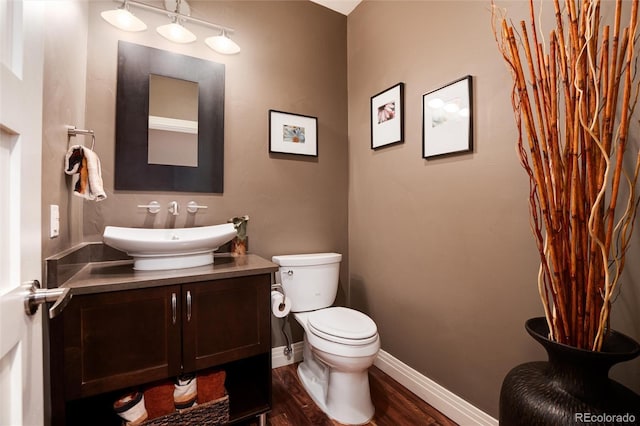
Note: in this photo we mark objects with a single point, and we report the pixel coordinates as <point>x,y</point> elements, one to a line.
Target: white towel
<point>96,189</point>
<point>86,164</point>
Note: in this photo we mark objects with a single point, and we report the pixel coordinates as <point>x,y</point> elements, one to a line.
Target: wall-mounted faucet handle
<point>193,207</point>
<point>153,207</point>
<point>174,208</point>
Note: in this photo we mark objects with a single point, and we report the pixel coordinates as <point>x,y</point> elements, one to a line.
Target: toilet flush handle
<point>290,272</point>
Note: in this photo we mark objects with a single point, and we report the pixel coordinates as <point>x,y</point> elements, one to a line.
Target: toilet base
<point>344,397</point>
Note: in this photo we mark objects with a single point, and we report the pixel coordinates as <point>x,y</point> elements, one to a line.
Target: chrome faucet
<point>173,208</point>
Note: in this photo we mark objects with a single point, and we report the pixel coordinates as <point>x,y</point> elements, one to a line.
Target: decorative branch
<point>573,105</point>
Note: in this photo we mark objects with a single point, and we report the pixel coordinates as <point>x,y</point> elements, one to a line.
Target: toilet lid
<point>343,325</point>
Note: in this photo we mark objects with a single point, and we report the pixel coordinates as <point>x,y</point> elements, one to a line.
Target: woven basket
<point>210,413</point>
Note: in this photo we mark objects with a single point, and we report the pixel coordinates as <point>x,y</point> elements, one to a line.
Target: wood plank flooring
<point>395,405</point>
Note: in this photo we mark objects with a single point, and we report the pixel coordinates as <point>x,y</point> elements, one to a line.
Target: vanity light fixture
<point>179,12</point>
<point>222,44</point>
<point>176,33</point>
<point>123,19</point>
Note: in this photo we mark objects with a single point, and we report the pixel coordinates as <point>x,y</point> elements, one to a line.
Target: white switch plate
<point>54,222</point>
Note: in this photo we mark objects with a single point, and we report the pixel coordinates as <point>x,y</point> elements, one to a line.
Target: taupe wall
<point>63,104</point>
<point>440,251</point>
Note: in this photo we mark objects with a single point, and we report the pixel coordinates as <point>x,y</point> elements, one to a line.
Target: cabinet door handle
<point>188,305</point>
<point>174,308</point>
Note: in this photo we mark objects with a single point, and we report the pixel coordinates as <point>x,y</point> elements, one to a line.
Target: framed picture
<point>293,133</point>
<point>447,119</point>
<point>387,117</point>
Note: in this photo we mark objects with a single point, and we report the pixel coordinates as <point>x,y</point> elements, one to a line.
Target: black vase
<point>572,387</point>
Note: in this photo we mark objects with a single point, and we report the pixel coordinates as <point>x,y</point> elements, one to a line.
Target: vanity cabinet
<point>225,321</point>
<point>120,339</point>
<point>108,342</point>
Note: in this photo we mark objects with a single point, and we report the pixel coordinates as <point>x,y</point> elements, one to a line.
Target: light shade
<point>222,44</point>
<point>123,19</point>
<point>176,33</point>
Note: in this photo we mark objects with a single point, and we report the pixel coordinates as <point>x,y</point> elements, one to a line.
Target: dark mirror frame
<point>132,171</point>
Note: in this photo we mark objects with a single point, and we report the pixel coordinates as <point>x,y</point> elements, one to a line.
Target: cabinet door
<point>225,320</point>
<point>121,339</point>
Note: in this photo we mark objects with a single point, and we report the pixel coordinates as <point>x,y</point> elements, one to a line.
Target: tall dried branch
<point>573,101</point>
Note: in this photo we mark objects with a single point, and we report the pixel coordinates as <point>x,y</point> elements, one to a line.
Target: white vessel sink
<point>157,249</point>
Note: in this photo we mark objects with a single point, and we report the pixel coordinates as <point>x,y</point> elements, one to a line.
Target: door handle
<point>37,296</point>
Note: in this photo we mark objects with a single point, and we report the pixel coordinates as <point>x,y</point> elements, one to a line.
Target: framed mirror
<point>169,121</point>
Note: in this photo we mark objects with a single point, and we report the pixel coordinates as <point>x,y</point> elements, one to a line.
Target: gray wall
<point>441,254</point>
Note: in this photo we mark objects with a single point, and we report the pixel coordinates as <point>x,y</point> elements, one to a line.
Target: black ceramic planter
<point>572,387</point>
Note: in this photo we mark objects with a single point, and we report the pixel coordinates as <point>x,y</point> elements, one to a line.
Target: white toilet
<point>340,344</point>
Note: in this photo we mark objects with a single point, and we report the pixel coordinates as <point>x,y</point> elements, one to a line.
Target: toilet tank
<point>310,281</point>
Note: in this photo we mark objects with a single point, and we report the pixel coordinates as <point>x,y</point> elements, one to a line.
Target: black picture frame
<point>295,134</point>
<point>387,117</point>
<point>447,119</point>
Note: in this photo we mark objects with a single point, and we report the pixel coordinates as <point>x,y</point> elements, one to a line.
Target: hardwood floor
<point>395,405</point>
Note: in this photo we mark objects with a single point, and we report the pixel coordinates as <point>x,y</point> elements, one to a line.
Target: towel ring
<point>72,131</point>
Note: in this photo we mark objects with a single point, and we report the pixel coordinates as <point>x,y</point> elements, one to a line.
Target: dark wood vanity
<point>124,329</point>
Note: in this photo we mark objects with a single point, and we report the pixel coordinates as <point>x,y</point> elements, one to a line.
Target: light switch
<point>54,222</point>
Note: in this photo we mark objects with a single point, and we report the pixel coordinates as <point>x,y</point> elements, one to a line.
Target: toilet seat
<point>343,325</point>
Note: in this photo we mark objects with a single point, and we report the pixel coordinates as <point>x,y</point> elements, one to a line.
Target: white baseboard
<point>443,400</point>
<point>448,403</point>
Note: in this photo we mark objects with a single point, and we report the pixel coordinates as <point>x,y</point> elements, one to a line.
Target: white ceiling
<point>343,6</point>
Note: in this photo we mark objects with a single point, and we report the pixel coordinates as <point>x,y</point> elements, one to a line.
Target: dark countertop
<point>116,275</point>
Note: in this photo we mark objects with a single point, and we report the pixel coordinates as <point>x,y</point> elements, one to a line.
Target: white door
<point>21,44</point>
